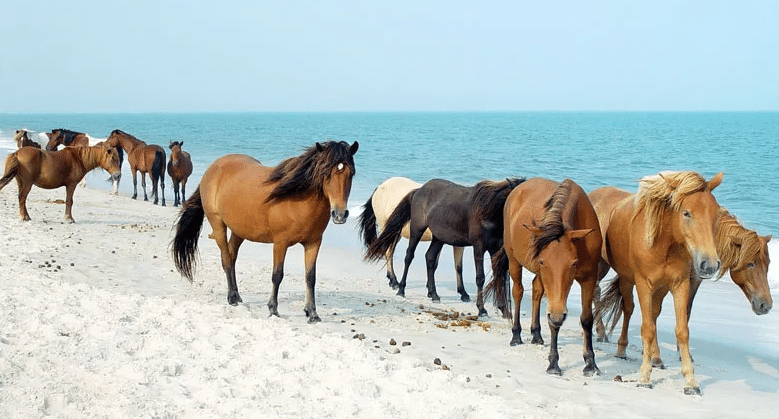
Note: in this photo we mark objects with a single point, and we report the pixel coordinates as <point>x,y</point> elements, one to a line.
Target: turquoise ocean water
<point>594,149</point>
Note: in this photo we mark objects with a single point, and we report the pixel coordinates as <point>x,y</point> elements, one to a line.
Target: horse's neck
<point>129,144</point>
<point>88,157</point>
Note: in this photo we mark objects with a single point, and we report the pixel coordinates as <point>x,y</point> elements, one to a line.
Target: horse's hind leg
<point>586,318</point>
<point>311,251</point>
<point>143,186</point>
<point>69,189</point>
<point>161,190</point>
<point>135,183</point>
<point>279,253</point>
<point>431,258</point>
<point>219,234</point>
<point>478,260</point>
<point>393,280</point>
<point>457,254</point>
<point>24,190</point>
<point>413,241</point>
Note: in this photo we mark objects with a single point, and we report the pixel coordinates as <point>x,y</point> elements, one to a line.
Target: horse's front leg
<point>143,186</point>
<point>69,189</point>
<point>413,241</point>
<point>535,322</point>
<point>515,271</point>
<point>457,254</point>
<point>175,193</point>
<point>431,260</point>
<point>279,253</point>
<point>478,261</point>
<point>135,183</point>
<point>588,289</point>
<point>681,295</point>
<point>648,330</point>
<point>311,251</point>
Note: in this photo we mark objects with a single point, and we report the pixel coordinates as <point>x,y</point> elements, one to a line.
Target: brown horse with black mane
<point>66,138</point>
<point>53,169</point>
<point>284,205</point>
<point>144,158</point>
<point>22,139</point>
<point>179,170</point>
<point>550,229</point>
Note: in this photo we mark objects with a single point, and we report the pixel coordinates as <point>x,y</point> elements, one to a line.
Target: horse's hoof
<point>658,363</point>
<point>625,357</point>
<point>603,339</point>
<point>401,292</point>
<point>644,385</point>
<point>554,370</point>
<point>591,370</point>
<point>515,342</point>
<point>435,298</point>
<point>692,391</point>
<point>314,319</point>
<point>465,298</point>
<point>234,299</point>
<point>482,312</point>
<point>537,340</point>
<point>394,284</point>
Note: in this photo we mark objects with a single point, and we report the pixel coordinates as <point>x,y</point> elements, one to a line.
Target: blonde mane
<point>737,246</point>
<point>663,193</point>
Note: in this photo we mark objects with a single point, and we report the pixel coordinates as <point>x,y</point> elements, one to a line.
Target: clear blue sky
<point>403,55</point>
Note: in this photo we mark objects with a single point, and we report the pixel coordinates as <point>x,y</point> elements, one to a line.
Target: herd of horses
<point>665,238</point>
<point>51,168</point>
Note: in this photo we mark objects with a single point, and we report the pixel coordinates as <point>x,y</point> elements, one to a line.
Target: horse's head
<point>55,139</point>
<point>337,182</point>
<point>556,265</point>
<point>694,217</point>
<point>109,161</point>
<point>746,253</point>
<point>175,152</point>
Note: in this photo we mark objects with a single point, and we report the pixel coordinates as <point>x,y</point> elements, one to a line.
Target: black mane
<point>307,172</point>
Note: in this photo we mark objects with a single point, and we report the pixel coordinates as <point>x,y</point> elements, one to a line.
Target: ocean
<point>593,148</point>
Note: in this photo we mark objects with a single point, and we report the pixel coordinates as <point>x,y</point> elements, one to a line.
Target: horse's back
<point>389,194</point>
<point>234,180</point>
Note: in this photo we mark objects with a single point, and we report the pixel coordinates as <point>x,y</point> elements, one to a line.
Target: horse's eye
<point>751,265</point>
<point>340,167</point>
<point>686,214</point>
<point>541,263</point>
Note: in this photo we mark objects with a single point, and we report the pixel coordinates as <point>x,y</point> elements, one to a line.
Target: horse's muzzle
<point>760,306</point>
<point>707,269</point>
<point>339,217</point>
<point>556,320</point>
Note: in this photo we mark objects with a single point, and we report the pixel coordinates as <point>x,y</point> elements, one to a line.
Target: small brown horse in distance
<point>144,158</point>
<point>652,242</point>
<point>550,229</point>
<point>285,205</point>
<point>53,169</point>
<point>179,170</point>
<point>22,139</point>
<point>66,138</point>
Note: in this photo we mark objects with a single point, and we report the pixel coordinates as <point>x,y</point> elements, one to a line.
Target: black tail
<point>392,230</point>
<point>158,172</point>
<point>188,225</point>
<point>11,169</point>
<point>498,285</point>
<point>610,305</point>
<point>367,223</point>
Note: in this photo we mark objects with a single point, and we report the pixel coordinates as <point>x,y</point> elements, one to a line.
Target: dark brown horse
<point>285,205</point>
<point>53,169</point>
<point>144,158</point>
<point>456,215</point>
<point>550,229</point>
<point>66,138</point>
<point>179,170</point>
<point>22,139</point>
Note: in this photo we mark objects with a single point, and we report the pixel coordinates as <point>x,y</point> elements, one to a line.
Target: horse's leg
<point>162,189</point>
<point>457,254</point>
<point>311,251</point>
<point>413,241</point>
<point>431,259</point>
<point>134,171</point>
<point>648,330</point>
<point>515,271</point>
<point>24,190</point>
<point>143,185</point>
<point>279,253</point>
<point>657,305</point>
<point>628,305</point>
<point>588,289</point>
<point>478,261</point>
<point>175,193</point>
<point>69,189</point>
<point>695,283</point>
<point>535,322</point>
<point>232,283</point>
<point>393,280</point>
<point>681,295</point>
<point>183,196</point>
<point>600,329</point>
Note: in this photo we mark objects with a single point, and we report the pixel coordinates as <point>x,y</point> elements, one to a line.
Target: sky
<point>333,56</point>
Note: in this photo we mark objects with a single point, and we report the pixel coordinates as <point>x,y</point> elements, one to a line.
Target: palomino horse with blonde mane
<point>144,158</point>
<point>653,241</point>
<point>377,210</point>
<point>66,138</point>
<point>550,229</point>
<point>456,215</point>
<point>22,139</point>
<point>53,169</point>
<point>284,205</point>
<point>742,251</point>
<point>179,170</point>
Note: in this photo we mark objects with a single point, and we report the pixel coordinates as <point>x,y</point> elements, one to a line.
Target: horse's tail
<point>188,225</point>
<point>392,230</point>
<point>11,169</point>
<point>497,286</point>
<point>609,308</point>
<point>158,170</point>
<point>367,223</point>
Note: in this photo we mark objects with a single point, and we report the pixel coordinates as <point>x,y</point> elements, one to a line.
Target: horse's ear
<point>354,147</point>
<point>578,234</point>
<point>715,181</point>
<point>767,239</point>
<point>319,147</point>
<point>181,143</point>
<point>170,146</point>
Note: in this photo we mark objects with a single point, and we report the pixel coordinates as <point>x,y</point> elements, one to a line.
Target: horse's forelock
<point>552,225</point>
<point>658,194</point>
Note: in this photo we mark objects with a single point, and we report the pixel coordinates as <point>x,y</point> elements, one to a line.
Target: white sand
<point>109,329</point>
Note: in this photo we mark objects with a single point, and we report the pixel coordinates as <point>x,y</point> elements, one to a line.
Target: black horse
<point>456,215</point>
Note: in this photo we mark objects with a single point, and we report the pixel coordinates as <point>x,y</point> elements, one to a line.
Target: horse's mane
<point>552,226</point>
<point>490,197</point>
<point>661,193</point>
<point>68,136</point>
<point>737,246</point>
<point>306,173</point>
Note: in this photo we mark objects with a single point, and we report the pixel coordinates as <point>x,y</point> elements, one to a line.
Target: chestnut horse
<point>550,229</point>
<point>66,138</point>
<point>144,158</point>
<point>653,241</point>
<point>22,139</point>
<point>53,169</point>
<point>179,169</point>
<point>456,215</point>
<point>284,205</point>
<point>375,213</point>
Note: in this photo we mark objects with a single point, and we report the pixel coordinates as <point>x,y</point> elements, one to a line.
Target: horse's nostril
<point>346,214</point>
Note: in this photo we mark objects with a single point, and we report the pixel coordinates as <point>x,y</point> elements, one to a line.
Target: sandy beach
<point>96,322</point>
